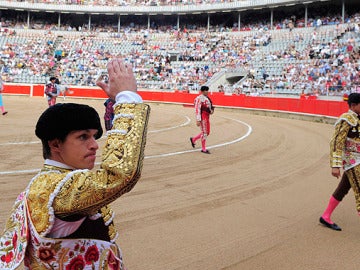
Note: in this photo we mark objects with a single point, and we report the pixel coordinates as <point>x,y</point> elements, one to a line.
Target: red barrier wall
<point>310,105</point>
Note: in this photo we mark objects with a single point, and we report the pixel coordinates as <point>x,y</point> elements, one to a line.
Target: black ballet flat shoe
<point>205,152</point>
<point>331,226</point>
<point>4,113</point>
<point>192,144</point>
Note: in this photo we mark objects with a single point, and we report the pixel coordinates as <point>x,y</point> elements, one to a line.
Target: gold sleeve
<point>85,192</point>
<point>337,143</point>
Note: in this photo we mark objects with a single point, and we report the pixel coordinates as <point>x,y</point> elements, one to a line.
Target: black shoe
<point>192,144</point>
<point>331,226</point>
<point>4,113</point>
<point>205,152</point>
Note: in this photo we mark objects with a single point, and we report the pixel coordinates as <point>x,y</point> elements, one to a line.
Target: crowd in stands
<point>326,66</point>
<point>126,2</point>
<point>322,59</point>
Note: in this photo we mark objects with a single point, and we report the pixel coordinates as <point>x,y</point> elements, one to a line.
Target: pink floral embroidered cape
<point>20,234</point>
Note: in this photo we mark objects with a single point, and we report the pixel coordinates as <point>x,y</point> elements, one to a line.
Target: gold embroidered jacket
<point>65,193</point>
<point>346,134</point>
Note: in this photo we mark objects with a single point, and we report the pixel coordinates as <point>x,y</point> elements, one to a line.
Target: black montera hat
<point>204,88</point>
<point>52,78</point>
<point>354,98</point>
<point>59,120</point>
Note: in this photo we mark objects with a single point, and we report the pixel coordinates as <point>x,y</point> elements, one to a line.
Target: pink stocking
<point>203,144</point>
<point>333,203</point>
<point>194,139</point>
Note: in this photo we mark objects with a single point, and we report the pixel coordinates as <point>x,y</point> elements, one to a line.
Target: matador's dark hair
<point>204,88</point>
<point>354,98</point>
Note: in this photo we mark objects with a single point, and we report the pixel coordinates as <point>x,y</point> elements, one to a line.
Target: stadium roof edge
<point>186,9</point>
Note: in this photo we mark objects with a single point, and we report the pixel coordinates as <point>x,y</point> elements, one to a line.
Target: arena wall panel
<point>302,104</point>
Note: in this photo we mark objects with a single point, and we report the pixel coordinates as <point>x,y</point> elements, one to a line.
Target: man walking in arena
<point>51,91</point>
<point>344,153</point>
<point>203,109</point>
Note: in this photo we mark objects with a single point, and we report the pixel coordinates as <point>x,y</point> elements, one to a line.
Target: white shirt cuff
<point>128,97</point>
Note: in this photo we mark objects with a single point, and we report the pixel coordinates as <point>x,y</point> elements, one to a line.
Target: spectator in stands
<point>280,84</point>
<point>318,23</point>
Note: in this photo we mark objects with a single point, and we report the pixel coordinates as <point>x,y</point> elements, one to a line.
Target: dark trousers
<point>342,188</point>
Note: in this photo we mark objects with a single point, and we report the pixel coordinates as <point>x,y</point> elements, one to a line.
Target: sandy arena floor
<point>253,204</point>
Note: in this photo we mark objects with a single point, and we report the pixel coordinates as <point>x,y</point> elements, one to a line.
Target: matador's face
<point>355,108</point>
<point>78,150</point>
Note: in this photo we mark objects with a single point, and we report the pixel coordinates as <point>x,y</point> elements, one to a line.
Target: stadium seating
<point>293,60</point>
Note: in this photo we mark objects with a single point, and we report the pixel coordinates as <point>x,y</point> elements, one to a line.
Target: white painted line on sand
<point>249,130</point>
<point>187,121</point>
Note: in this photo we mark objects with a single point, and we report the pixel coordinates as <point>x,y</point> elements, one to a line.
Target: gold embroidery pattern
<point>337,144</point>
<point>107,213</point>
<point>38,198</point>
<point>347,122</point>
<point>354,180</point>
